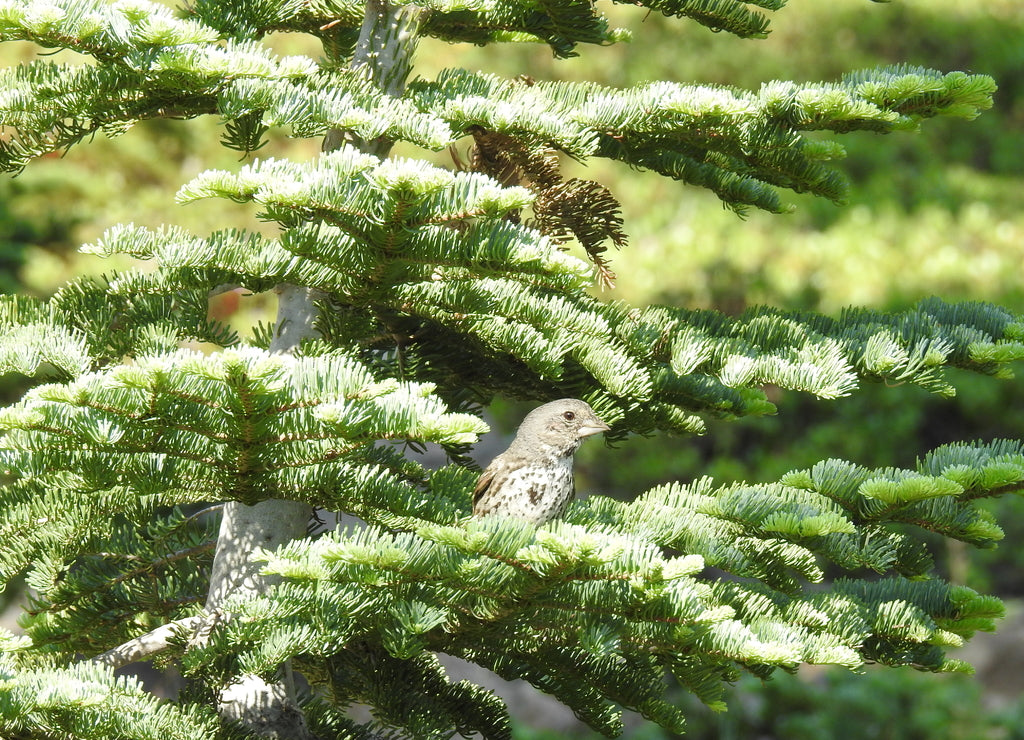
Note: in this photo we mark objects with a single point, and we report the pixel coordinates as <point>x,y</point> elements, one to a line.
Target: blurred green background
<point>935,213</point>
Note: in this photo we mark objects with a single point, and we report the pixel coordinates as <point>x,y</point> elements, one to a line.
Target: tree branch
<point>149,644</point>
<point>268,709</point>
<point>384,51</point>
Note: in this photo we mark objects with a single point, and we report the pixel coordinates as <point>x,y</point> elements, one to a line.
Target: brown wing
<point>490,482</point>
<point>481,486</point>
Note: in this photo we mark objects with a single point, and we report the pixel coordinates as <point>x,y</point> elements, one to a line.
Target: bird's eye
<point>569,416</point>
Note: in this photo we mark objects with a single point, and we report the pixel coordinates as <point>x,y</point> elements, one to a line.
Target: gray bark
<point>384,52</point>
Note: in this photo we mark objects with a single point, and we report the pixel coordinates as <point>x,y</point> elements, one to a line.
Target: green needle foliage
<point>436,291</point>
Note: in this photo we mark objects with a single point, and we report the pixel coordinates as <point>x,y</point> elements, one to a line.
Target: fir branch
<point>422,286</point>
<point>113,440</point>
<point>587,211</point>
<point>536,319</point>
<point>151,571</point>
<point>501,577</point>
<point>562,24</point>
<point>395,269</point>
<point>102,705</point>
<point>722,15</point>
<point>33,338</point>
<point>152,643</point>
<point>382,56</point>
<point>115,323</point>
<point>563,209</point>
<point>741,145</point>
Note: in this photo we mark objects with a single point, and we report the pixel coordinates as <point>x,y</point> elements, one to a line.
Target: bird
<point>532,479</point>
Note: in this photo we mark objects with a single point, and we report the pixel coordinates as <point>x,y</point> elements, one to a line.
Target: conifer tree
<point>409,296</point>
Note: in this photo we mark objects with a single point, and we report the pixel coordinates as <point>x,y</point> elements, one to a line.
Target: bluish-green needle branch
<point>410,296</point>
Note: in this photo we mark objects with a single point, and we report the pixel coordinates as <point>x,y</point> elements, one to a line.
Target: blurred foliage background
<point>940,212</point>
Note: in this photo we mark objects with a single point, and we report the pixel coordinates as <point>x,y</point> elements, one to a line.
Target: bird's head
<point>561,424</point>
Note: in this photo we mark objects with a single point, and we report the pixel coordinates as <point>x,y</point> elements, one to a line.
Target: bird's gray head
<point>561,424</point>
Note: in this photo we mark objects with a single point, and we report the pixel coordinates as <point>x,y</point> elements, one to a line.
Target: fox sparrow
<point>532,479</point>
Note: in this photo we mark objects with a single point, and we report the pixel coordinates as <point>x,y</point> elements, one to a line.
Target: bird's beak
<point>589,431</point>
